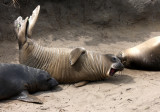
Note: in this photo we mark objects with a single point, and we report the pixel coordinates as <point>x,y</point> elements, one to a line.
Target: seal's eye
<point>48,79</point>
<point>114,59</point>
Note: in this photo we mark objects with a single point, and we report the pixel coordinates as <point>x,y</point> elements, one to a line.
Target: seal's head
<point>122,57</point>
<point>125,59</point>
<point>129,58</point>
<point>116,64</point>
<point>45,81</point>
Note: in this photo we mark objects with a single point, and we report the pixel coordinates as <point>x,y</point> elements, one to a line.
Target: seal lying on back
<point>65,65</point>
<point>145,56</point>
<point>17,80</point>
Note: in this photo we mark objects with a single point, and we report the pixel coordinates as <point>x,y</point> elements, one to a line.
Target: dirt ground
<point>131,91</point>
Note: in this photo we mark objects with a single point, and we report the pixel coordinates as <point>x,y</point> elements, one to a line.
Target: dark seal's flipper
<point>32,21</point>
<point>75,54</point>
<point>79,84</point>
<point>26,97</point>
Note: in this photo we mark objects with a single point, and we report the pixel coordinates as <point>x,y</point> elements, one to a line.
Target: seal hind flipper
<point>79,84</point>
<point>32,20</point>
<point>26,97</point>
<point>75,54</point>
<point>20,28</point>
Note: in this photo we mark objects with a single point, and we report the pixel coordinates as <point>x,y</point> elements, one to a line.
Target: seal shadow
<point>117,80</point>
<point>55,89</point>
<point>6,101</point>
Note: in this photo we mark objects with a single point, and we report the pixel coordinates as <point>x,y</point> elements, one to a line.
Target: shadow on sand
<point>56,89</point>
<point>117,80</point>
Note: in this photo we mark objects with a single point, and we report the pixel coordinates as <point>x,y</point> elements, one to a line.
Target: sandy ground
<point>131,91</point>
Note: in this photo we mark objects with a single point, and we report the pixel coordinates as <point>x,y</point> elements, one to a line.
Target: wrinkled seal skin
<point>90,66</point>
<point>17,78</point>
<point>65,65</point>
<point>145,56</point>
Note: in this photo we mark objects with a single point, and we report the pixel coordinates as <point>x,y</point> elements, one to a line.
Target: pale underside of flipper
<point>32,21</point>
<point>20,28</point>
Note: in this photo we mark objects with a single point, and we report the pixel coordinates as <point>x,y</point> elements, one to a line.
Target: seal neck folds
<point>97,65</point>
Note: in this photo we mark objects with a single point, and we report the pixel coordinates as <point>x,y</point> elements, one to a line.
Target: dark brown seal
<point>17,80</point>
<point>145,56</point>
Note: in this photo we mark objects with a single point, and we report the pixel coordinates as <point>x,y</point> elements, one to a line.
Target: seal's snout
<point>53,83</point>
<point>119,66</point>
<point>116,67</point>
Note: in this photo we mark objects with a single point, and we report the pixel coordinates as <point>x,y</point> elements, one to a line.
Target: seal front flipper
<point>26,97</point>
<point>79,84</point>
<point>75,54</point>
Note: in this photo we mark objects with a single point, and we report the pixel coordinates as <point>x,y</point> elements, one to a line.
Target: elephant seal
<point>145,56</point>
<point>17,80</point>
<point>65,65</point>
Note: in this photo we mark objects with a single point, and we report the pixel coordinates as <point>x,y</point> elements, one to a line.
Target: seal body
<point>16,79</point>
<point>65,65</point>
<point>145,56</point>
<point>89,65</point>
